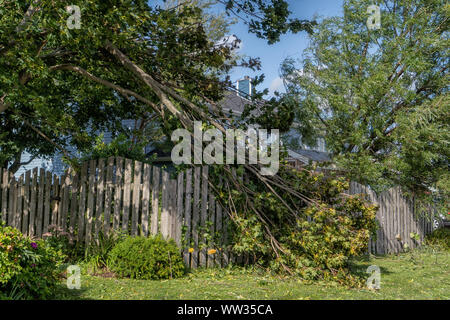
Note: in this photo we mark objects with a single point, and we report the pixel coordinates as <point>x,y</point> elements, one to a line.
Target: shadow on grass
<point>64,293</point>
<point>358,266</point>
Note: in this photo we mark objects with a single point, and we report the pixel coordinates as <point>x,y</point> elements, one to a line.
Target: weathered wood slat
<point>33,204</point>
<point>126,194</point>
<point>26,203</point>
<point>154,221</point>
<point>61,202</point>
<point>90,202</point>
<point>40,204</point>
<point>118,193</point>
<point>212,229</point>
<point>73,203</point>
<point>19,205</point>
<point>5,183</point>
<point>55,201</point>
<point>146,185</point>
<point>219,230</point>
<point>47,202</point>
<point>82,203</point>
<point>108,195</point>
<point>172,207</point>
<point>196,217</point>
<point>99,197</point>
<point>12,201</point>
<point>179,208</point>
<point>136,198</point>
<point>165,200</point>
<point>187,217</point>
<point>204,214</point>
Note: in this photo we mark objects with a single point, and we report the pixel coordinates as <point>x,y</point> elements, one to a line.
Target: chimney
<point>244,87</point>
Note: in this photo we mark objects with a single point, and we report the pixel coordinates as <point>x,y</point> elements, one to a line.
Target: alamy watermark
<point>73,277</point>
<point>74,21</point>
<point>239,146</point>
<point>374,280</point>
<point>374,20</point>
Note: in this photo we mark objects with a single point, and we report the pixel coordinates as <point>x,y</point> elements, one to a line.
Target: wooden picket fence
<point>397,218</point>
<point>140,199</point>
<point>120,194</point>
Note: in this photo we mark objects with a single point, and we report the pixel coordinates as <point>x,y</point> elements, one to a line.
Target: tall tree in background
<point>380,96</point>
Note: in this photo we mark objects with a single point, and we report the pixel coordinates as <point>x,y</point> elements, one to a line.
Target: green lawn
<point>419,275</point>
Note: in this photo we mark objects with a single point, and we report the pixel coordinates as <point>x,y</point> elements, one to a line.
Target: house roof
<point>234,103</point>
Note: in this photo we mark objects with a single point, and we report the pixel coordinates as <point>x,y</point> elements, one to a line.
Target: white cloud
<point>276,85</point>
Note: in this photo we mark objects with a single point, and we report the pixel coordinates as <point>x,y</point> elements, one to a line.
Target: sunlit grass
<point>423,274</point>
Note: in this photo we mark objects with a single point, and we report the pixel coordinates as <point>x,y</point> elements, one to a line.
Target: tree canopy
<point>380,97</point>
<point>65,74</point>
<point>64,83</point>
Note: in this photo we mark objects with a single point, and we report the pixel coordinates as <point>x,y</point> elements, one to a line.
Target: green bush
<point>64,242</point>
<point>316,238</point>
<point>96,258</point>
<point>28,269</point>
<point>146,258</point>
<point>440,238</point>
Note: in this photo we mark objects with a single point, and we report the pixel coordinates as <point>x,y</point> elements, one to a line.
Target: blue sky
<point>290,45</point>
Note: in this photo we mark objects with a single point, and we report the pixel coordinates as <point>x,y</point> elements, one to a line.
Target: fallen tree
<point>147,61</point>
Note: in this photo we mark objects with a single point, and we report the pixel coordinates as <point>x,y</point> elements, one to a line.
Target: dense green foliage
<point>440,238</point>
<point>61,86</point>
<point>28,269</point>
<point>64,242</point>
<point>146,258</point>
<point>118,147</point>
<point>315,238</point>
<point>380,97</point>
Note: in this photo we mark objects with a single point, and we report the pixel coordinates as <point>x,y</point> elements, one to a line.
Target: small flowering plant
<point>63,241</point>
<point>30,266</point>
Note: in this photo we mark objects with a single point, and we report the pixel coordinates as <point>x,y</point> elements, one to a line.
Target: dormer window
<point>244,88</point>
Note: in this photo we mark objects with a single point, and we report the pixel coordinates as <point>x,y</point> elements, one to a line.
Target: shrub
<point>439,238</point>
<point>28,269</point>
<point>146,258</point>
<point>316,238</point>
<point>64,242</point>
<point>97,252</point>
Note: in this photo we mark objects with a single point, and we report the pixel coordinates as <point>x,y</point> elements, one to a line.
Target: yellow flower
<point>212,251</point>
<point>191,250</point>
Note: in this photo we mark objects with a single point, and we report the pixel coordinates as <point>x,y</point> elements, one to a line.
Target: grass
<point>422,274</point>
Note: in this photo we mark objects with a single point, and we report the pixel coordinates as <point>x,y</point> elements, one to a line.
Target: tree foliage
<point>380,97</point>
<point>144,61</point>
